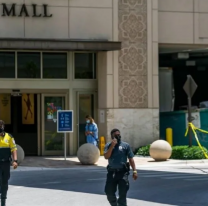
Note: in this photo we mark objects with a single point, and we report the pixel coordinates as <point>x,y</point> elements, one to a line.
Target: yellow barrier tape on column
<point>194,129</point>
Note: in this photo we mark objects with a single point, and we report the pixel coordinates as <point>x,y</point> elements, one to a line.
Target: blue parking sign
<point>64,121</point>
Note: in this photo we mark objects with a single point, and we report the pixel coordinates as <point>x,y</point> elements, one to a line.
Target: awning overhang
<point>58,44</point>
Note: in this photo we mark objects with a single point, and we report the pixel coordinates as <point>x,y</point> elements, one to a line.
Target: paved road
<point>182,186</point>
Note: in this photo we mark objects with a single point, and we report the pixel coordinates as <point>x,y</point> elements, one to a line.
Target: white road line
<point>185,177</point>
<point>163,175</point>
<point>18,187</point>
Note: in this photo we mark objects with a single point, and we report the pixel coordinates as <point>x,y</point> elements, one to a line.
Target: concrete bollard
<point>102,145</point>
<point>160,150</point>
<point>88,154</point>
<point>169,136</point>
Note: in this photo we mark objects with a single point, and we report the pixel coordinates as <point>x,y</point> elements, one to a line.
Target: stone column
<point>153,64</point>
<point>107,90</point>
<point>128,79</point>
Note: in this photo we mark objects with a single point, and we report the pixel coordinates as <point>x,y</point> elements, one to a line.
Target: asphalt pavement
<point>181,185</point>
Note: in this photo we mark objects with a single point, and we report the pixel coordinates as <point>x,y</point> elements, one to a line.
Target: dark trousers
<point>114,180</point>
<point>4,178</point>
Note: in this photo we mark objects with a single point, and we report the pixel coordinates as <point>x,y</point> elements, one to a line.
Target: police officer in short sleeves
<point>7,148</point>
<point>117,152</point>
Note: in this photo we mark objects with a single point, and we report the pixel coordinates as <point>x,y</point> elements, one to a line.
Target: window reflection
<point>53,140</point>
<point>55,65</point>
<point>28,65</point>
<point>7,65</point>
<point>85,65</point>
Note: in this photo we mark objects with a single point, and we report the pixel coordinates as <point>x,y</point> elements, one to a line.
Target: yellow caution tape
<point>194,129</point>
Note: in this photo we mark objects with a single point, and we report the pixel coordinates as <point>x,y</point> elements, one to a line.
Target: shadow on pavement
<point>152,186</point>
<point>52,162</point>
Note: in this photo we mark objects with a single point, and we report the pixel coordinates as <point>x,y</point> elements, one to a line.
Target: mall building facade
<point>97,57</point>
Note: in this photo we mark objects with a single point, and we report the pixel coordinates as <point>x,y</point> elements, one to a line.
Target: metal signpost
<point>64,124</point>
<point>190,87</point>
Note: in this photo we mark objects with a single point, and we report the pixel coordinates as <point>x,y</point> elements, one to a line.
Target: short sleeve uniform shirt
<point>119,155</point>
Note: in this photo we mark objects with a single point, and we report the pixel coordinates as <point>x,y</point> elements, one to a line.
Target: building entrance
<point>31,118</point>
<point>86,106</point>
<point>20,116</point>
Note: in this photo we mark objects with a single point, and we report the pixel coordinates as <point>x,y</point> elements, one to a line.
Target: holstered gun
<point>126,166</point>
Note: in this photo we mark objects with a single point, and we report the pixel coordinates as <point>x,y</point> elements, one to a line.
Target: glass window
<point>55,65</point>
<point>53,140</point>
<point>85,66</point>
<point>7,64</point>
<point>28,65</point>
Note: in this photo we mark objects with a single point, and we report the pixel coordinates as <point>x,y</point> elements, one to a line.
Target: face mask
<point>88,121</point>
<point>118,137</point>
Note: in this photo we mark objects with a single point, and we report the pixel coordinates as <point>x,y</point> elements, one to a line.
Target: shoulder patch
<point>126,144</point>
<point>10,135</point>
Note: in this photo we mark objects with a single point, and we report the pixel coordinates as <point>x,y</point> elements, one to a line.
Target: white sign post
<point>64,124</point>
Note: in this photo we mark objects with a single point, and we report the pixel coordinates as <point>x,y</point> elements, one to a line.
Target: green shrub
<point>144,151</point>
<point>187,153</point>
<point>178,152</point>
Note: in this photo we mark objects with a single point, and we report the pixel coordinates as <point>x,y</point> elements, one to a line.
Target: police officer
<point>7,148</point>
<point>118,168</point>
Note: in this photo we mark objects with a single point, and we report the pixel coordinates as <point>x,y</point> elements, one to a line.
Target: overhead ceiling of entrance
<point>59,44</point>
<point>169,48</point>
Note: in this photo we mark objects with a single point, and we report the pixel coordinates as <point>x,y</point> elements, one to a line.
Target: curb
<point>173,161</point>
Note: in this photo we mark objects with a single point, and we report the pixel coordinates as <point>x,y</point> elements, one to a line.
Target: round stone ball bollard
<point>88,154</point>
<point>160,150</point>
<point>20,154</point>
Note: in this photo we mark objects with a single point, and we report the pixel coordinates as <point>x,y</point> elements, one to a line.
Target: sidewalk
<point>73,162</point>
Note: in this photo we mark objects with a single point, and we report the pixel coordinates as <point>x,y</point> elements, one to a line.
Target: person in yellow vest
<point>8,148</point>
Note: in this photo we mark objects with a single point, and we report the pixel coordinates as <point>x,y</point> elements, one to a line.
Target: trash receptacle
<point>203,137</point>
<point>177,120</point>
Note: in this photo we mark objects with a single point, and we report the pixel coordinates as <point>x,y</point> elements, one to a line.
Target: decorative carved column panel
<point>133,56</point>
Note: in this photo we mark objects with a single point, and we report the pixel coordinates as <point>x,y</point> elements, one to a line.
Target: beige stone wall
<point>75,19</point>
<point>138,127</point>
<point>183,21</point>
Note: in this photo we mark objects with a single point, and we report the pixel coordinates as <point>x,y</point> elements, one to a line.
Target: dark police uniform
<point>7,146</point>
<point>118,172</point>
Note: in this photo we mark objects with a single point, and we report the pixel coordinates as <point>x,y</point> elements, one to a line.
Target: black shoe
<point>3,202</point>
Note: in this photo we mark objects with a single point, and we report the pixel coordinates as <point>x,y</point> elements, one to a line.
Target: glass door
<point>86,106</point>
<point>52,142</point>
